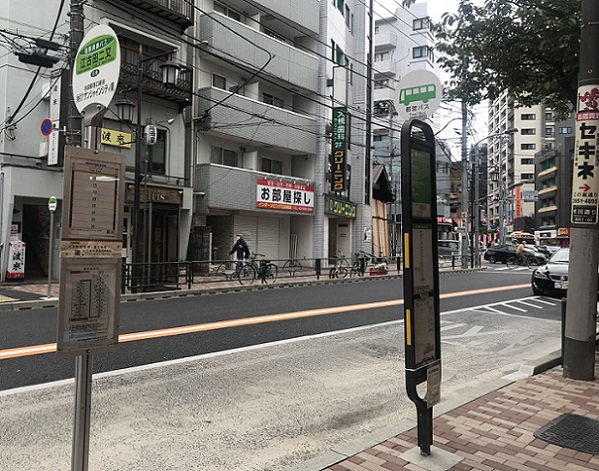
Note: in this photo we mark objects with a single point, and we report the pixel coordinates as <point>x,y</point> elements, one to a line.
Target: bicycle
<point>264,270</point>
<point>340,268</point>
<point>358,268</point>
<point>522,260</point>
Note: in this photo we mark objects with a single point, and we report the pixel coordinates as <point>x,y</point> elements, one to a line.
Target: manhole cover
<point>572,431</point>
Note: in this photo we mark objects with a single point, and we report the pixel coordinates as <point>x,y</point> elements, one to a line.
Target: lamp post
<point>170,75</point>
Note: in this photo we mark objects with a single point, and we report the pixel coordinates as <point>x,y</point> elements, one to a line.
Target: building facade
<point>31,164</point>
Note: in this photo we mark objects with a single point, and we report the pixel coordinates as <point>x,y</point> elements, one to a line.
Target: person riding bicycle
<point>242,251</point>
<point>522,252</point>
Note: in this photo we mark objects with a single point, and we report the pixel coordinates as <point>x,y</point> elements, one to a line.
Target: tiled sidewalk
<point>495,431</point>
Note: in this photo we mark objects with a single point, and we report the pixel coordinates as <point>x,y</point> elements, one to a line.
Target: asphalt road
<point>38,327</point>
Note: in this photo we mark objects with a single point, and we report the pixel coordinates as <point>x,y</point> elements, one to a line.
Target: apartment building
<point>403,43</point>
<point>270,75</point>
<point>31,163</point>
<point>512,158</point>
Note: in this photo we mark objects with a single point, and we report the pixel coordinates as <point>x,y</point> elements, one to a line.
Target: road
<point>260,392</point>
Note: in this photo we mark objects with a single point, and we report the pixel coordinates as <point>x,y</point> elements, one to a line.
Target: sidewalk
<point>497,432</point>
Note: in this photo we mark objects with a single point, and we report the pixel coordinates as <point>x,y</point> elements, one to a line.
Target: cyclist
<point>522,253</point>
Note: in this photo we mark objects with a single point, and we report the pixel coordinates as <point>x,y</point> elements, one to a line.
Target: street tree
<point>529,47</point>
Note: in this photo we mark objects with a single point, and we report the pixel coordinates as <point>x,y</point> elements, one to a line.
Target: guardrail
<point>178,275</point>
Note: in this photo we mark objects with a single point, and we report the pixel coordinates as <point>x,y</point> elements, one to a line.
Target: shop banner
<point>284,196</point>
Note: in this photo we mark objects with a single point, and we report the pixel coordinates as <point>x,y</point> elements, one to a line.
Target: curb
<point>170,294</point>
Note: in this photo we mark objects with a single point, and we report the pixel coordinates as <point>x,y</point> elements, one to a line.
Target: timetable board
<point>94,195</point>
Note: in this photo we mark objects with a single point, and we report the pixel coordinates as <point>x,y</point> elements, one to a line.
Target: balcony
<point>271,126</point>
<point>152,80</point>
<point>388,68</point>
<point>178,12</point>
<point>289,65</point>
<point>385,40</point>
<point>231,188</point>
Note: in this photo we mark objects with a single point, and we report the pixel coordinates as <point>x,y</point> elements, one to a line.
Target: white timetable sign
<point>94,183</point>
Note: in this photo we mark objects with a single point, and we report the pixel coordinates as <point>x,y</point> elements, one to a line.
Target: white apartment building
<point>403,43</point>
<point>265,82</point>
<point>513,159</point>
<point>31,169</point>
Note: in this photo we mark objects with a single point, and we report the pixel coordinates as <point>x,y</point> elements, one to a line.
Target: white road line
<point>452,326</point>
<point>529,304</point>
<point>543,301</point>
<point>514,307</point>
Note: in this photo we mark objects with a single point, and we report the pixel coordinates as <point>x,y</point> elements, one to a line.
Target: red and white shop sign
<point>284,196</point>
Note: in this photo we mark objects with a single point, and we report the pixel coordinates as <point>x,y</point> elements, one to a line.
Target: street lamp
<point>496,176</point>
<point>170,75</point>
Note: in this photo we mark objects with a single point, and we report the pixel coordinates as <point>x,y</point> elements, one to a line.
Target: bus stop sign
<point>419,95</point>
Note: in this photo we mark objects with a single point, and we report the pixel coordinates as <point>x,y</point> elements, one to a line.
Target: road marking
<point>514,307</point>
<point>153,334</point>
<point>529,304</point>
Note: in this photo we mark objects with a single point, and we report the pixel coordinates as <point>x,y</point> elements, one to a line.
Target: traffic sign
<point>52,203</point>
<point>419,94</point>
<point>97,68</point>
<point>46,127</point>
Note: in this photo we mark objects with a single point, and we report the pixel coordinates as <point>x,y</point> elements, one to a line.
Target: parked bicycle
<point>253,269</point>
<point>359,266</point>
<point>340,268</point>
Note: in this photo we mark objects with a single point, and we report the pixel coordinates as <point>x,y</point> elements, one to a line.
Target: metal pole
<point>137,232</point>
<point>501,202</point>
<point>83,399</point>
<point>50,253</point>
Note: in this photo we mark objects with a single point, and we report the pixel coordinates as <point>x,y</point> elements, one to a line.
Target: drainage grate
<point>572,431</point>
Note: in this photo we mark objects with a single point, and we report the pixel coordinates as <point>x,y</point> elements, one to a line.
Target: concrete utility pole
<point>73,135</point>
<point>463,235</point>
<point>581,311</point>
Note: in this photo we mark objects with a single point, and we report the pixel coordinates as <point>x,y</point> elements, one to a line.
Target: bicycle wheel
<point>532,262</point>
<point>512,262</point>
<point>270,273</point>
<point>246,275</point>
<point>355,269</point>
<point>342,272</point>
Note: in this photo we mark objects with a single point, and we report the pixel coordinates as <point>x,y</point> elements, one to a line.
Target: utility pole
<point>73,135</point>
<point>581,310</point>
<point>463,235</point>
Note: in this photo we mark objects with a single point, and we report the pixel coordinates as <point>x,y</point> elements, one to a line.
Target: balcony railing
<point>152,80</point>
<point>179,12</point>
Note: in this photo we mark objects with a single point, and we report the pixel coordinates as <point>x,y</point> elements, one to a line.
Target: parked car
<point>551,279</point>
<point>448,247</point>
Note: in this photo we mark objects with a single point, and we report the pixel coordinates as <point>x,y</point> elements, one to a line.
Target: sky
<point>435,9</point>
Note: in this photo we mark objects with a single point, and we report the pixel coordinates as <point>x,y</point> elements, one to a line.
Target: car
<point>501,253</point>
<point>551,279</point>
<point>448,247</point>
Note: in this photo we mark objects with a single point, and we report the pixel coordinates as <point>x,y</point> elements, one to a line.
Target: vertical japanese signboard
<point>339,158</point>
<point>421,273</point>
<point>585,181</point>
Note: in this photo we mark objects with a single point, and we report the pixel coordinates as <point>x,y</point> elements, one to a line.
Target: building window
<point>420,23</point>
<point>347,17</point>
<point>565,130</point>
<point>272,166</point>
<point>157,154</point>
<point>222,156</point>
<point>272,34</point>
<point>422,52</point>
<point>528,132</point>
<point>527,161</point>
<point>528,146</point>
<point>340,5</point>
<point>380,84</point>
<point>548,131</point>
<point>528,117</point>
<point>549,116</point>
<point>225,10</point>
<point>381,56</point>
<point>218,81</point>
<point>527,176</point>
<point>273,100</point>
<point>340,56</point>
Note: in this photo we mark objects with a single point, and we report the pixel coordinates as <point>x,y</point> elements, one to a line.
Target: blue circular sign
<point>46,127</point>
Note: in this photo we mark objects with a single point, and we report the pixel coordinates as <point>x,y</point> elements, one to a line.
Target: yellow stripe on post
<point>408,328</point>
<point>406,251</point>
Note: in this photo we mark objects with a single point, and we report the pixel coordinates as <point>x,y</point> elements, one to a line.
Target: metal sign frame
<point>421,273</point>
